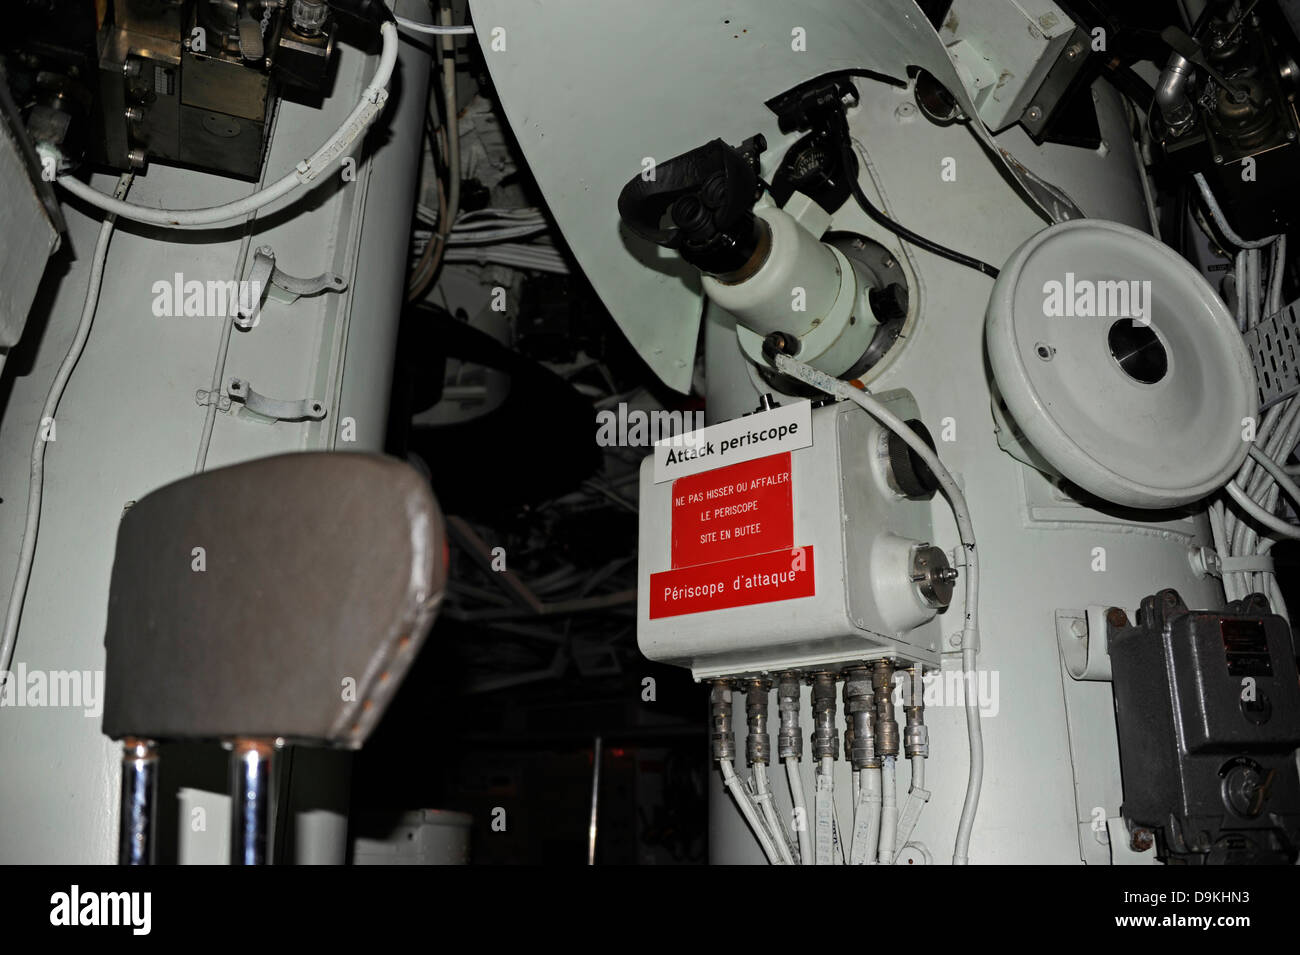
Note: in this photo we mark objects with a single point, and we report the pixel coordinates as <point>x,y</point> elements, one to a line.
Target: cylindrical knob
<point>908,474</point>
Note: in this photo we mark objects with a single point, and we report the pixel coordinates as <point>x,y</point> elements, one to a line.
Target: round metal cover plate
<point>1120,364</point>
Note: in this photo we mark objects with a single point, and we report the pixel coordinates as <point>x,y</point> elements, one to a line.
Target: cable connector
<point>724,737</point>
<point>758,744</point>
<point>825,740</point>
<point>789,741</point>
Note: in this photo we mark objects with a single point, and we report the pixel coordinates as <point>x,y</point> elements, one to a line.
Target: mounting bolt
<point>1143,839</point>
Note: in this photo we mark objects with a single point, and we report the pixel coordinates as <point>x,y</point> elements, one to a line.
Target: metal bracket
<point>1274,347</point>
<point>204,398</point>
<point>275,409</point>
<point>1082,639</point>
<point>1206,561</point>
<point>268,281</point>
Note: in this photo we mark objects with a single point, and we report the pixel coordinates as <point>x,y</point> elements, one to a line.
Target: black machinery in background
<point>121,83</point>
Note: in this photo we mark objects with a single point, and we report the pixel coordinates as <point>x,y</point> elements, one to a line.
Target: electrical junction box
<point>795,557</point>
<point>1003,51</point>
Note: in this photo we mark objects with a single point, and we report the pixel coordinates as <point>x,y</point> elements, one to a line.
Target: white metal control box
<point>794,560</point>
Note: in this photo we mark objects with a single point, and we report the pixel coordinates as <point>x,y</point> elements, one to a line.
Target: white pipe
<point>36,480</point>
<point>774,827</point>
<point>888,811</point>
<point>803,831</point>
<point>966,531</point>
<point>748,811</point>
<point>306,172</point>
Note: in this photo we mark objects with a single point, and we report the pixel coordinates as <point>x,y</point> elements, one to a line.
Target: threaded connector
<point>882,682</point>
<point>789,743</point>
<point>859,710</point>
<point>758,744</point>
<point>825,741</point>
<point>848,717</point>
<point>916,737</point>
<point>724,737</point>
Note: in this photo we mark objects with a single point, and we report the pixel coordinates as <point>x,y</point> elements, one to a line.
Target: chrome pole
<point>139,797</point>
<point>251,790</point>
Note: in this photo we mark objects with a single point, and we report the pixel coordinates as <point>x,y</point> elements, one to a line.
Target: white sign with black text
<point>787,428</point>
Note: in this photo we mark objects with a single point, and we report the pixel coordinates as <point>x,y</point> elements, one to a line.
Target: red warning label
<point>732,541</point>
<point>753,579</point>
<point>735,511</point>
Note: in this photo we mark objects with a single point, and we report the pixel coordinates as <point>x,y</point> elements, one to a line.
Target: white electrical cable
<point>508,257</point>
<point>1279,475</point>
<point>823,812</point>
<point>748,811</point>
<point>966,531</point>
<point>774,828</point>
<point>1271,521</point>
<point>802,830</point>
<point>1279,445</point>
<point>1239,282</point>
<point>36,481</point>
<point>305,173</point>
<point>436,29</point>
<point>1221,221</point>
<point>1254,295</point>
<point>1218,534</point>
<point>866,831</point>
<point>841,838</point>
<point>1277,437</point>
<point>1275,276</point>
<point>888,811</point>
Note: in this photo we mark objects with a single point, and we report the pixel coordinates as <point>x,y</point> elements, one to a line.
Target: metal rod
<point>595,803</point>
<point>139,798</point>
<point>251,792</point>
